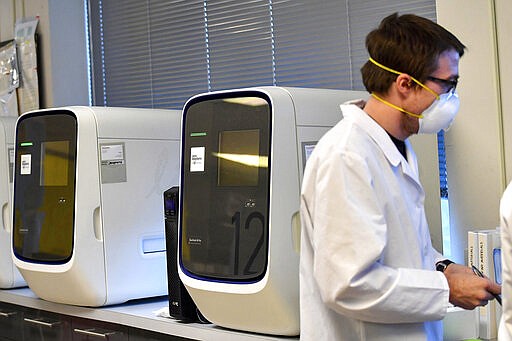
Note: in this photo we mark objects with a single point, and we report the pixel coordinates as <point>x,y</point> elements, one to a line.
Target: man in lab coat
<point>505,330</point>
<point>368,268</point>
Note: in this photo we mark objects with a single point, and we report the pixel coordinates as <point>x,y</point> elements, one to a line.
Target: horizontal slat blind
<point>311,44</point>
<point>126,54</point>
<point>147,53</point>
<point>178,51</point>
<point>157,53</point>
<point>240,43</point>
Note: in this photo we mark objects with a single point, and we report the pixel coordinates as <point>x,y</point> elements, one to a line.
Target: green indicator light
<point>197,134</point>
<point>26,144</point>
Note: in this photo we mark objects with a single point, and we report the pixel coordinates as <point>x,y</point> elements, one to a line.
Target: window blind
<point>179,60</point>
<point>239,43</point>
<point>157,53</point>
<point>147,53</point>
<point>312,44</point>
<point>124,53</point>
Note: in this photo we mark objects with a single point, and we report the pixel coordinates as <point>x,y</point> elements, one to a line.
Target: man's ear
<point>404,83</point>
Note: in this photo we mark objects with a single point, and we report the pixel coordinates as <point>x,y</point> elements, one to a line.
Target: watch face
<point>442,265</point>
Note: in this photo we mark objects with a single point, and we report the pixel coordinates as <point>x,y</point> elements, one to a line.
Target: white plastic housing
<point>119,239</point>
<point>271,305</point>
<point>10,277</point>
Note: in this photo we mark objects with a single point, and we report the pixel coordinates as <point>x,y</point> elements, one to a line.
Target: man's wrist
<point>442,265</point>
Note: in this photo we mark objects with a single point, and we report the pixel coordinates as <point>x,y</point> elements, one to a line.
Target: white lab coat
<point>505,330</point>
<point>367,262</point>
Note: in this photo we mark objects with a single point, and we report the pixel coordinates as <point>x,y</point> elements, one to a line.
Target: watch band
<point>442,265</point>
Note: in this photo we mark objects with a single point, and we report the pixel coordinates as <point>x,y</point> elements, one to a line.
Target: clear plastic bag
<point>28,92</point>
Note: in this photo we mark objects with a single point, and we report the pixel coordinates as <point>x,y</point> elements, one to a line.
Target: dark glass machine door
<point>44,187</point>
<point>225,186</point>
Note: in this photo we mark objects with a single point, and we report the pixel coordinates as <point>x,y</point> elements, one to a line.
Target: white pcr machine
<point>10,277</point>
<point>88,226</point>
<point>242,158</point>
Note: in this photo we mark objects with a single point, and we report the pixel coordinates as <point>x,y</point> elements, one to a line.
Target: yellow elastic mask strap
<point>399,73</point>
<point>395,106</point>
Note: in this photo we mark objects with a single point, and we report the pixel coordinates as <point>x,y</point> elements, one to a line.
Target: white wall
<point>425,147</point>
<point>504,30</point>
<point>474,145</point>
<point>69,53</point>
<point>6,28</point>
<point>61,31</point>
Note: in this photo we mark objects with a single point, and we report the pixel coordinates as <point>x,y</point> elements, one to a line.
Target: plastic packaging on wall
<point>9,78</point>
<point>28,92</point>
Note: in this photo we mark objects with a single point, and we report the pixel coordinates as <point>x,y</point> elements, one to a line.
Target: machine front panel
<point>44,187</point>
<point>225,187</point>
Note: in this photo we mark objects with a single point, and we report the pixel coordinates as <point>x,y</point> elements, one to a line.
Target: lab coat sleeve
<point>505,330</point>
<point>348,239</point>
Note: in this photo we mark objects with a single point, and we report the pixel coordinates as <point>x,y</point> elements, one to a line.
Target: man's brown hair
<point>408,44</point>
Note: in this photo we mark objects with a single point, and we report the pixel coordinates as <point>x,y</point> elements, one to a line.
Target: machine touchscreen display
<point>44,187</point>
<point>225,196</point>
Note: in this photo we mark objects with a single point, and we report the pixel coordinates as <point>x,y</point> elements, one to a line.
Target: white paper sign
<point>112,152</point>
<point>26,164</point>
<point>197,159</point>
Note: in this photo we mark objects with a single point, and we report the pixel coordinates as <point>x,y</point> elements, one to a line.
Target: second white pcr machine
<point>242,157</point>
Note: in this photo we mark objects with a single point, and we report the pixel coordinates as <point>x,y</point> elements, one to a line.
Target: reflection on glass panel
<point>54,165</point>
<point>236,151</point>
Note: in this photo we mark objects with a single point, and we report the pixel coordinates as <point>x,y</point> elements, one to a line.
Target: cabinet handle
<point>91,332</point>
<point>4,314</point>
<point>42,323</point>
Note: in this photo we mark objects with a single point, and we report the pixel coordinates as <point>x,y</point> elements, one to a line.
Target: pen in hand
<point>478,273</point>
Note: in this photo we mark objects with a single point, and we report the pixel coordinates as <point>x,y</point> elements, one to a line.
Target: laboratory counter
<point>24,316</point>
<point>140,317</point>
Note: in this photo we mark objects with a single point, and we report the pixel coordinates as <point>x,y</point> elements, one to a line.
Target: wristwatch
<point>442,265</point>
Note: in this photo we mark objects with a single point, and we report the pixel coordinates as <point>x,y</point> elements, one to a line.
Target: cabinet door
<point>44,326</point>
<point>145,335</point>
<point>10,322</point>
<point>89,330</point>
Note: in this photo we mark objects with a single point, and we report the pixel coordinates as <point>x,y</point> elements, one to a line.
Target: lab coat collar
<point>380,136</point>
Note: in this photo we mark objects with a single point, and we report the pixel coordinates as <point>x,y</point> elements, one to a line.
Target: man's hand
<point>467,290</point>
